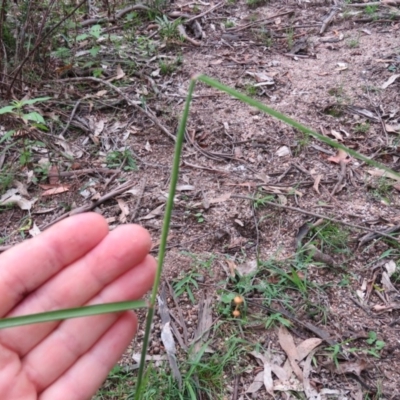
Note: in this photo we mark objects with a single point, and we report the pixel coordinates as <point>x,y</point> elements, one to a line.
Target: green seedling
<point>353,43</point>
<point>93,35</point>
<point>199,217</point>
<point>376,345</point>
<point>371,10</point>
<point>276,318</point>
<point>362,128</point>
<point>251,90</point>
<point>168,29</point>
<point>290,38</point>
<point>186,285</point>
<point>121,159</point>
<point>229,24</point>
<point>17,108</point>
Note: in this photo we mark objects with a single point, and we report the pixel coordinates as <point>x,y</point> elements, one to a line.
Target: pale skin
<point>76,262</point>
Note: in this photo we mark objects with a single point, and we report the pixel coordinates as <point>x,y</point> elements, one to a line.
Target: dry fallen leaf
<point>392,128</point>
<point>54,191</point>
<point>155,213</point>
<point>34,231</point>
<point>247,267</point>
<point>267,373</point>
<point>317,180</point>
<point>337,135</point>
<point>283,151</point>
<point>340,156</point>
<point>287,343</point>
<point>257,383</point>
<point>390,81</point>
<point>123,217</point>
<point>54,178</point>
<point>232,267</point>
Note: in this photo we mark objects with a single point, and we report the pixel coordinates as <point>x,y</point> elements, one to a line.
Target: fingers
<point>27,266</point>
<point>82,380</point>
<point>73,338</point>
<point>121,250</point>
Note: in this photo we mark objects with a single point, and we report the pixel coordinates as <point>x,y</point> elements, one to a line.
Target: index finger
<point>28,265</point>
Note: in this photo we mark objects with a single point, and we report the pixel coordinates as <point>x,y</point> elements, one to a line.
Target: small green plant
<point>145,46</point>
<point>382,189</point>
<point>290,38</point>
<point>362,128</point>
<point>334,352</point>
<point>371,10</point>
<point>167,68</point>
<point>94,34</point>
<point>229,24</point>
<point>121,159</point>
<point>200,217</point>
<point>186,285</point>
<point>353,43</point>
<point>42,171</point>
<point>16,108</point>
<point>376,345</point>
<point>168,29</point>
<point>331,237</point>
<point>251,90</point>
<point>276,318</point>
<point>262,201</point>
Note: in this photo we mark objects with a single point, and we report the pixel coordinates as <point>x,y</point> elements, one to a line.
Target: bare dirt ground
<point>334,283</point>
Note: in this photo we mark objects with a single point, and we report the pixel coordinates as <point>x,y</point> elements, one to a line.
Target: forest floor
<point>264,215</point>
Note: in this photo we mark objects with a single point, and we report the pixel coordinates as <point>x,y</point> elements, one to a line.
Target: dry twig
<point>126,98</point>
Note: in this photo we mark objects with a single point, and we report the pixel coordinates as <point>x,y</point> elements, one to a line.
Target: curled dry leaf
<point>54,178</point>
<point>21,202</point>
<point>54,191</point>
<point>341,155</point>
<point>317,180</point>
<point>123,217</point>
<point>155,213</point>
<point>337,135</point>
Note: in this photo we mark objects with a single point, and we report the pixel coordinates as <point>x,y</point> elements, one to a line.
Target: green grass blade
<point>72,313</point>
<point>163,244</point>
<point>291,122</point>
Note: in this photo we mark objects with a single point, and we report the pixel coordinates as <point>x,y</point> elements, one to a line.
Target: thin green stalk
<point>291,122</point>
<point>72,313</point>
<point>164,235</point>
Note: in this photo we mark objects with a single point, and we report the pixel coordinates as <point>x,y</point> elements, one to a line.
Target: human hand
<point>76,262</point>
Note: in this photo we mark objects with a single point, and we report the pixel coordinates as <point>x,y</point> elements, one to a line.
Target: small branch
<point>71,117</point>
<point>85,172</point>
<point>329,19</point>
<point>375,3</point>
<point>205,12</point>
<point>342,175</point>
<point>299,210</point>
<point>118,15</point>
<point>182,32</point>
<point>141,187</point>
<point>120,189</point>
<point>124,96</point>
